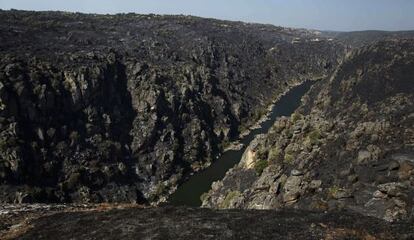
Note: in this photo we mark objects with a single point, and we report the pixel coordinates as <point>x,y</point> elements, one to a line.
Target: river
<point>188,194</point>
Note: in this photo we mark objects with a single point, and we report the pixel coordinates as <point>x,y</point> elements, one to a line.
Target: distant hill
<point>361,38</point>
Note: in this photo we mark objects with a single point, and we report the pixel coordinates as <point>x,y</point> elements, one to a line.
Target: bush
<point>176,146</point>
<point>289,133</point>
<point>296,117</point>
<point>260,165</point>
<point>314,137</point>
<point>242,128</point>
<point>332,191</point>
<point>274,154</point>
<point>3,145</point>
<point>258,114</point>
<point>10,142</point>
<point>203,197</point>
<point>262,153</point>
<point>289,158</point>
<point>160,189</point>
<point>74,136</point>
<point>224,144</point>
<point>229,197</point>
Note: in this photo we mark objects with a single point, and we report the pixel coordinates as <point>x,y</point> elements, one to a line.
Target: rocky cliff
<point>350,145</point>
<point>120,108</point>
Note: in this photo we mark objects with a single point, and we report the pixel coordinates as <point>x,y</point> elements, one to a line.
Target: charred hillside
<point>362,38</point>
<point>350,145</point>
<point>120,108</point>
<point>190,223</point>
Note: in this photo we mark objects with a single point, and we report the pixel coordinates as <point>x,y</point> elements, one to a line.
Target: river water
<point>188,194</point>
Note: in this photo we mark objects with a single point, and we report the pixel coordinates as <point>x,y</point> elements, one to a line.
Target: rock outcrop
<point>349,146</point>
<point>120,108</point>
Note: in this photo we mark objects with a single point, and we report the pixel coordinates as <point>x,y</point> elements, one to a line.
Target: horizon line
<point>204,17</point>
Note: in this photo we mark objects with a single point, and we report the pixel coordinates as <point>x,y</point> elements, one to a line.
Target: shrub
<point>203,197</point>
<point>224,144</point>
<point>3,145</point>
<point>73,180</point>
<point>262,152</point>
<point>296,117</point>
<point>260,165</point>
<point>288,158</point>
<point>289,133</point>
<point>242,128</point>
<point>229,197</point>
<point>160,189</point>
<point>314,137</point>
<point>176,146</point>
<point>8,143</point>
<point>74,136</point>
<point>274,154</point>
<point>258,114</point>
<point>332,191</point>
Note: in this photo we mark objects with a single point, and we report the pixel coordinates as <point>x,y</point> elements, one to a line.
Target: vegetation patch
<point>332,191</point>
<point>243,127</point>
<point>289,133</point>
<point>260,165</point>
<point>224,144</point>
<point>262,152</point>
<point>314,137</point>
<point>296,117</point>
<point>274,154</point>
<point>204,196</point>
<point>229,197</point>
<point>288,158</point>
<point>160,189</point>
<point>258,114</point>
<point>6,143</point>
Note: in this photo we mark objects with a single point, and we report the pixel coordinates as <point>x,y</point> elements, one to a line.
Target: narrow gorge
<point>193,190</point>
<point>349,145</point>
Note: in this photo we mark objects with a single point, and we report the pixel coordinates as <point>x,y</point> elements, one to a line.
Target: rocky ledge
<point>189,223</point>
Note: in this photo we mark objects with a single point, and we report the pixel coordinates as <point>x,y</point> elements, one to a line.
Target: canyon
<point>122,108</point>
<point>113,122</point>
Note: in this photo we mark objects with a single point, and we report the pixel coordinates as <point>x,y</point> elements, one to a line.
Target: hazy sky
<point>341,15</point>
